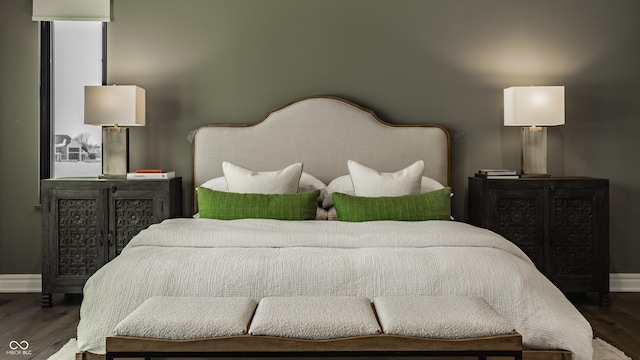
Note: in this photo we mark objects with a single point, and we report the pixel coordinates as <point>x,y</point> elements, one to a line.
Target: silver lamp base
<point>115,152</point>
<point>534,152</point>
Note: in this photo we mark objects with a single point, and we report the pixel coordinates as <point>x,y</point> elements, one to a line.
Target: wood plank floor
<point>618,324</point>
<point>47,330</point>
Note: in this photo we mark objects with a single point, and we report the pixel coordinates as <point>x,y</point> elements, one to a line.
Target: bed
<point>259,257</point>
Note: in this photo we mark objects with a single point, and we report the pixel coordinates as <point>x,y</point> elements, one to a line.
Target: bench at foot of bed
<point>508,346</point>
<point>314,327</point>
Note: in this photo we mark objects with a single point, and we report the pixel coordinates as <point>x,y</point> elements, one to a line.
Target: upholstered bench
<point>314,326</point>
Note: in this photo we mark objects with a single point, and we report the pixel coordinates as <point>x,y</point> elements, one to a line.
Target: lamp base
<point>534,152</point>
<point>115,152</point>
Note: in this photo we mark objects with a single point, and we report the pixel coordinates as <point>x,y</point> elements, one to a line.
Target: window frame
<point>47,153</point>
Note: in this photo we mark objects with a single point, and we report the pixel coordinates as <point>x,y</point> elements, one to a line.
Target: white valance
<point>71,10</point>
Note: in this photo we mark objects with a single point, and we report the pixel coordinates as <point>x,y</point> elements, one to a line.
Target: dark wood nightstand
<point>86,222</point>
<point>561,223</point>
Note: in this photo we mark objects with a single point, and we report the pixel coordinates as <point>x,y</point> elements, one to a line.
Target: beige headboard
<point>322,133</point>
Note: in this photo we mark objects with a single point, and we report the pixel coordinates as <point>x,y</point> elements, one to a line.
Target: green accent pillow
<point>222,205</point>
<point>433,205</point>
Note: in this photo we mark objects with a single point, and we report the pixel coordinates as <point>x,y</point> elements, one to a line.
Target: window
<point>72,57</point>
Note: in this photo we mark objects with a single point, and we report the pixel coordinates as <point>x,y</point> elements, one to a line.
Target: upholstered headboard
<point>322,133</point>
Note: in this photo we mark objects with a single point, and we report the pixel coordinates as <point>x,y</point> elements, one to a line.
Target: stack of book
<point>151,174</point>
<point>497,174</point>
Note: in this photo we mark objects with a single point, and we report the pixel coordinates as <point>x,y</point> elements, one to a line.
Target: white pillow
<point>343,184</point>
<point>369,182</point>
<point>247,181</point>
<point>217,184</point>
<point>307,183</point>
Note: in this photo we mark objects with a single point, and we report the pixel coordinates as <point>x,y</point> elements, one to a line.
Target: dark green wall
<point>19,139</point>
<point>411,61</point>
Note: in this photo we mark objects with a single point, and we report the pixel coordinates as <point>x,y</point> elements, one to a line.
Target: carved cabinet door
<point>77,236</point>
<point>132,210</point>
<point>519,216</point>
<point>577,256</point>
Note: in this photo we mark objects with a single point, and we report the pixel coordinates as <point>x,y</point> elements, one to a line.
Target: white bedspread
<point>258,258</point>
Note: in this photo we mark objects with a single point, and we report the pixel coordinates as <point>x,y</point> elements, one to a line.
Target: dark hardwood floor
<point>47,330</point>
<point>618,324</point>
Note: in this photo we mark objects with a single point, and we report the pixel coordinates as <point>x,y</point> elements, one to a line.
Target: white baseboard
<point>624,282</point>
<point>20,283</point>
<point>28,283</point>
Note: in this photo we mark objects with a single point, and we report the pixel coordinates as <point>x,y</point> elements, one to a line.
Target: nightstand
<point>561,223</point>
<point>86,222</point>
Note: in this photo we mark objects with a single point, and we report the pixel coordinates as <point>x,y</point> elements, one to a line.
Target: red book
<point>150,171</point>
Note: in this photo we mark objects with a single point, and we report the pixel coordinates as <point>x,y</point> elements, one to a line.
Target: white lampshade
<point>122,105</point>
<point>534,106</point>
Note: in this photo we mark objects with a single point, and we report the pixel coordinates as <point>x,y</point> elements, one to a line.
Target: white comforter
<point>258,258</point>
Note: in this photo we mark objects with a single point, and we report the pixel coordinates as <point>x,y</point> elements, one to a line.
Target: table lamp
<point>114,107</point>
<point>534,108</point>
